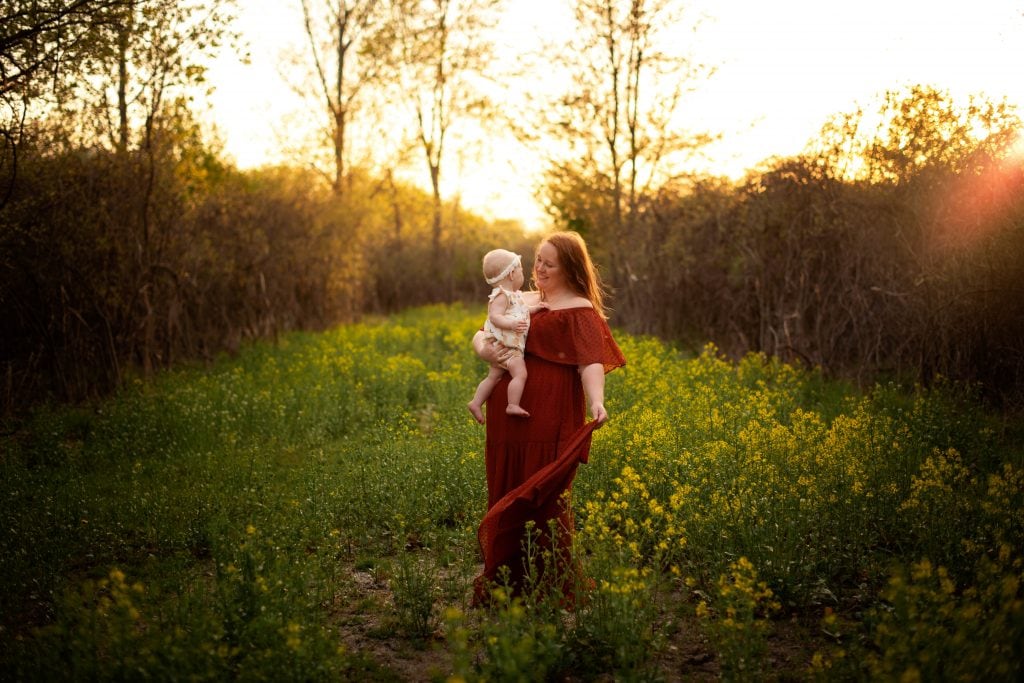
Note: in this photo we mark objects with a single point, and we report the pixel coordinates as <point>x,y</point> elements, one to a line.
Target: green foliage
<point>511,644</point>
<point>243,520</point>
<point>615,630</point>
<point>929,628</point>
<point>415,593</point>
<point>736,619</point>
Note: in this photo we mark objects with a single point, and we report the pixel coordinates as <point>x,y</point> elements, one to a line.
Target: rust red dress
<point>531,461</point>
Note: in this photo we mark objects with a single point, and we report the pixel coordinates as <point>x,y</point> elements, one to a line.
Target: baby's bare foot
<point>516,410</point>
<point>477,413</point>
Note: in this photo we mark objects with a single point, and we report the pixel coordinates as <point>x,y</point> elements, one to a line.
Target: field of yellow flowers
<point>307,510</point>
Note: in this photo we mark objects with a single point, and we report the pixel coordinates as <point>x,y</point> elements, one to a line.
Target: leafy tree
<point>135,99</point>
<point>41,39</point>
<point>155,60</point>
<point>915,131</point>
<point>43,45</point>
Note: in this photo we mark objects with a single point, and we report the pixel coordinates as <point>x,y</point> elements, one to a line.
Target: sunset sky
<point>782,68</point>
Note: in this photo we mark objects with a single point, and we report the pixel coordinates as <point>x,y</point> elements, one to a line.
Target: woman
<point>531,460</point>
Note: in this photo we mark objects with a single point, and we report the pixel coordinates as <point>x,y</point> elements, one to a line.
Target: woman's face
<point>547,272</point>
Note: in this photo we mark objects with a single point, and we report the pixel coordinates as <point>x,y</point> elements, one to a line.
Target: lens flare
<point>1016,155</point>
<point>975,207</point>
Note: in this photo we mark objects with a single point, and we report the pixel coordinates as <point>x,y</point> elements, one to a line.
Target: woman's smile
<point>545,267</point>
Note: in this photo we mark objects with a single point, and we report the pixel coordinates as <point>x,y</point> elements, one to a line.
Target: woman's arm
<point>593,384</point>
<point>490,349</point>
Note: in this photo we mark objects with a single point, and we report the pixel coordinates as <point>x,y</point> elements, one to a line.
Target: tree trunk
<point>122,92</point>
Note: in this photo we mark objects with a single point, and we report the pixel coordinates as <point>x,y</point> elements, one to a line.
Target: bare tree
<point>627,73</point>
<point>338,32</point>
<point>442,49</point>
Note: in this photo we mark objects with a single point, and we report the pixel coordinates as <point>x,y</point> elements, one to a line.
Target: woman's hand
<point>599,414</point>
<point>491,350</point>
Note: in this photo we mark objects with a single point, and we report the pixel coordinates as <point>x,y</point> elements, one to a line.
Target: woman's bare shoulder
<point>579,302</point>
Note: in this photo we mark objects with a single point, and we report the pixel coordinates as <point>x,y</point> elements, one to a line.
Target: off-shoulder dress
<point>531,461</point>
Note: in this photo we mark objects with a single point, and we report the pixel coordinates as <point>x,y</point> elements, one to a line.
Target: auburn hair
<point>577,267</point>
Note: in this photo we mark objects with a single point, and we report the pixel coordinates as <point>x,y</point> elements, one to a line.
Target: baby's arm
<point>533,302</point>
<point>496,314</point>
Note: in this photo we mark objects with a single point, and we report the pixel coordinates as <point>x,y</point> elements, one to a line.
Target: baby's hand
<point>540,306</point>
<point>522,326</point>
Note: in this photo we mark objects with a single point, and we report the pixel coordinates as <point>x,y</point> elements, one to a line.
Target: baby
<point>508,319</point>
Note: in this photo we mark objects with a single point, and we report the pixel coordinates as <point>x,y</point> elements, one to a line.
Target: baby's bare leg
<point>516,368</point>
<point>483,390</point>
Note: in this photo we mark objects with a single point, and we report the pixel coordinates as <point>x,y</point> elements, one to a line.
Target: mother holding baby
<point>531,461</point>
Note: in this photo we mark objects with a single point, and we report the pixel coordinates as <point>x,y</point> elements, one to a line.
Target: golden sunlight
<point>782,69</point>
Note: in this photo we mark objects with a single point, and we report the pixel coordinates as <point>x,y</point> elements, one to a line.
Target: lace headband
<point>508,270</point>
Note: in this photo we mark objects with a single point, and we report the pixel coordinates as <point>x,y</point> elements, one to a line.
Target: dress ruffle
<point>576,336</point>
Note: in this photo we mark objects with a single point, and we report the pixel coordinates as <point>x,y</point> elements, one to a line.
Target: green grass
<point>308,510</point>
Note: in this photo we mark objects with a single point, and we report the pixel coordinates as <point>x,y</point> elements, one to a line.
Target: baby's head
<point>499,264</point>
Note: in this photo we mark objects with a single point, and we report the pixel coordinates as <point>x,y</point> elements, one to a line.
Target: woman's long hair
<point>579,271</point>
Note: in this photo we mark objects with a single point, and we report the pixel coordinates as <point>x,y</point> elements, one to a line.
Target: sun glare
<point>1017,151</point>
